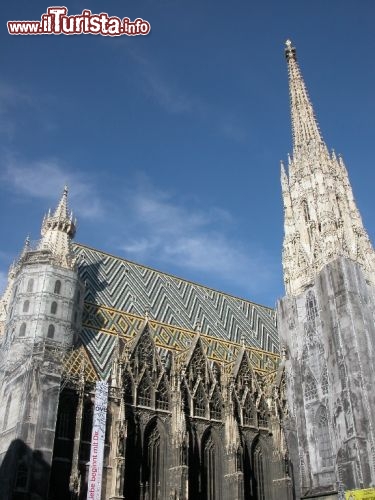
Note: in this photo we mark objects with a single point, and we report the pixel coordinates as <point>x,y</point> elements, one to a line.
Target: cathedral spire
<point>57,232</point>
<point>321,219</point>
<point>305,127</point>
<point>61,211</point>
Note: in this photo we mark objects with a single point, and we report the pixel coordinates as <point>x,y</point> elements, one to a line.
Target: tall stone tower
<point>40,314</point>
<point>326,319</point>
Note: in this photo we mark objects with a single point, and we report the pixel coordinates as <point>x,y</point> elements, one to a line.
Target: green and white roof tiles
<point>131,288</point>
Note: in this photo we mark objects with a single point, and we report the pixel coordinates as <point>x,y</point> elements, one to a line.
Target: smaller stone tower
<point>40,316</point>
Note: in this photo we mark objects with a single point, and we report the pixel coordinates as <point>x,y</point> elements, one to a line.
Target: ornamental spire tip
<point>290,51</point>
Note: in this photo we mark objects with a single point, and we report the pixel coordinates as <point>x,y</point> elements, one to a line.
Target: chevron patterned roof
<point>119,293</point>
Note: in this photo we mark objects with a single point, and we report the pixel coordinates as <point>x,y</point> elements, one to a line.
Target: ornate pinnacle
<point>304,124</point>
<point>57,231</point>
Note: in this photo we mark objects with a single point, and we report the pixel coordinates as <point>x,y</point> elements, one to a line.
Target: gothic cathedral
<point>201,405</point>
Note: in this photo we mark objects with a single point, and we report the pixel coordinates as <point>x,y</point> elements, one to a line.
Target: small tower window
<point>323,437</point>
<point>310,389</point>
<point>54,308</point>
<point>30,285</point>
<point>26,305</point>
<point>57,288</point>
<point>338,201</point>
<point>51,331</point>
<point>311,307</point>
<point>23,330</point>
<point>306,211</point>
<point>78,296</point>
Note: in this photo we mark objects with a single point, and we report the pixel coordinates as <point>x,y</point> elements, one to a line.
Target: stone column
<point>118,454</point>
<point>179,471</point>
<point>233,479</point>
<point>75,476</point>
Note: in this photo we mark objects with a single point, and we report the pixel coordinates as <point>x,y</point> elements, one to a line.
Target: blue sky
<point>170,143</point>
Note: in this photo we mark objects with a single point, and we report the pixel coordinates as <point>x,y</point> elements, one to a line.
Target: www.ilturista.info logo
<point>57,22</point>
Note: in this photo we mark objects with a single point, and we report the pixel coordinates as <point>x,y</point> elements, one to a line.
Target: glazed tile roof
<point>119,293</point>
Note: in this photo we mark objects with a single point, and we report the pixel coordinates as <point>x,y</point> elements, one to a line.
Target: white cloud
<point>11,98</point>
<point>173,98</point>
<point>166,95</point>
<point>45,179</point>
<point>179,233</point>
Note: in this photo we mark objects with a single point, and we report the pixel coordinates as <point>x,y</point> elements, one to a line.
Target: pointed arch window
<point>262,413</point>
<point>7,411</point>
<point>258,467</point>
<point>154,471</point>
<point>210,469</point>
<point>311,306</point>
<point>248,412</point>
<point>57,288</point>
<point>215,405</point>
<point>22,331</point>
<point>200,402</point>
<point>311,392</point>
<point>51,331</point>
<point>162,399</point>
<point>144,392</point>
<point>65,420</point>
<point>323,437</point>
<point>30,285</point>
<point>26,306</point>
<point>54,308</point>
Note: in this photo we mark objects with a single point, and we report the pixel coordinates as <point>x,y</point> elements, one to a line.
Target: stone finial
<point>57,232</point>
<point>290,51</point>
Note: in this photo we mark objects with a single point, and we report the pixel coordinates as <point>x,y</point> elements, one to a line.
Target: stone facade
<point>178,428</point>
<point>326,320</point>
<point>191,415</point>
<point>201,406</point>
